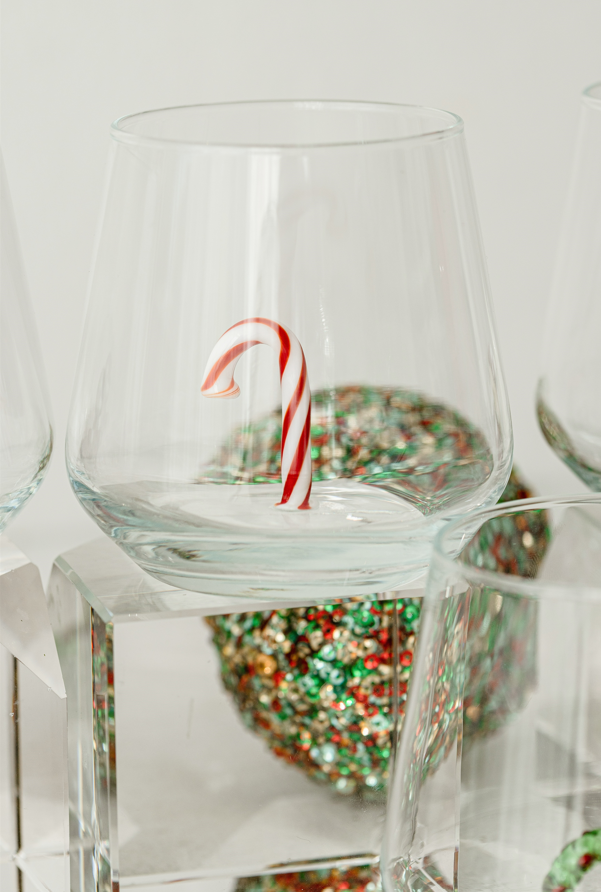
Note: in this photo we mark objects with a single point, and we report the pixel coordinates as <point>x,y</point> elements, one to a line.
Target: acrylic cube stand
<point>166,783</point>
<point>33,722</point>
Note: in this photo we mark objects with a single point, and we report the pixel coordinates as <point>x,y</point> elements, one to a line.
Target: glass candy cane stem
<point>296,396</point>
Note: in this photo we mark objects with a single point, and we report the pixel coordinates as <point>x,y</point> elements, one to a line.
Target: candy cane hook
<point>296,395</point>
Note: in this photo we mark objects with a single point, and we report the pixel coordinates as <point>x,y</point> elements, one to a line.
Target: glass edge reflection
<point>445,558</point>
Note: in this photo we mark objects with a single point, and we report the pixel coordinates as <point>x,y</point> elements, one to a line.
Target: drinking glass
<point>25,429</point>
<point>498,779</point>
<point>353,226</point>
<point>569,400</point>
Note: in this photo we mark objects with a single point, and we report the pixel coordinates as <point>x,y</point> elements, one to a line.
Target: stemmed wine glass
<point>569,395</point>
<point>343,237</point>
<point>25,429</point>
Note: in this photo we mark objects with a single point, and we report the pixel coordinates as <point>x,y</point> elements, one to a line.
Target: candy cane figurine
<point>296,396</point>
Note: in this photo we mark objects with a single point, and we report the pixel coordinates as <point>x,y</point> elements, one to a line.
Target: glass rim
<point>453,127</point>
<point>505,582</point>
<point>591,96</point>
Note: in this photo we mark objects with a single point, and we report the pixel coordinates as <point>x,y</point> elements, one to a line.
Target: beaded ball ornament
<point>423,450</point>
<point>317,683</point>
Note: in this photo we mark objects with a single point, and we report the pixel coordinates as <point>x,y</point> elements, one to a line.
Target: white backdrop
<point>513,70</point>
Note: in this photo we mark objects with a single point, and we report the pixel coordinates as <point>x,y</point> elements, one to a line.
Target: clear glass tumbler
<point>344,237</point>
<point>25,429</point>
<point>569,398</point>
<point>497,785</point>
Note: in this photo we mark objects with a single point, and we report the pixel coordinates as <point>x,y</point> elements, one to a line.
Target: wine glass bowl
<point>350,226</point>
<point>568,397</point>
<point>25,430</point>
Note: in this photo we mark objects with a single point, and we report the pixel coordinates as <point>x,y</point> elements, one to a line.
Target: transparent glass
<point>498,779</point>
<point>569,400</point>
<point>354,226</point>
<point>171,778</point>
<point>220,744</point>
<point>34,809</point>
<point>25,430</point>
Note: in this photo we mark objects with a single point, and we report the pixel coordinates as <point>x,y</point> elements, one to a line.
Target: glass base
<point>198,793</point>
<point>561,443</point>
<point>343,875</point>
<point>170,780</point>
<point>235,540</point>
<point>11,502</point>
<point>18,487</point>
<point>33,729</point>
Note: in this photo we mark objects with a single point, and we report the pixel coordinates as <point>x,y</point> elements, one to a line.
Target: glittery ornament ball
<point>419,448</point>
<point>316,683</point>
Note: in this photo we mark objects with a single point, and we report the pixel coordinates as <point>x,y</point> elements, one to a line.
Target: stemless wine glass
<point>569,397</point>
<point>344,237</point>
<point>498,779</point>
<point>25,430</point>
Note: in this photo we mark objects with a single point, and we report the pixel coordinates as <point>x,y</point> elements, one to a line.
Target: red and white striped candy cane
<point>296,396</point>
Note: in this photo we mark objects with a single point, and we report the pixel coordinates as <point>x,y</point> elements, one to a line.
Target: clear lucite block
<point>166,782</point>
<point>33,725</point>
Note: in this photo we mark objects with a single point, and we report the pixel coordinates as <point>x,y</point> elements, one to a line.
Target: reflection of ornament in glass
<point>574,862</point>
<point>25,431</point>
<point>352,224</point>
<point>358,878</point>
<point>569,393</point>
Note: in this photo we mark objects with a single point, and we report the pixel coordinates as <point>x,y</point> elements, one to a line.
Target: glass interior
<point>498,781</point>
